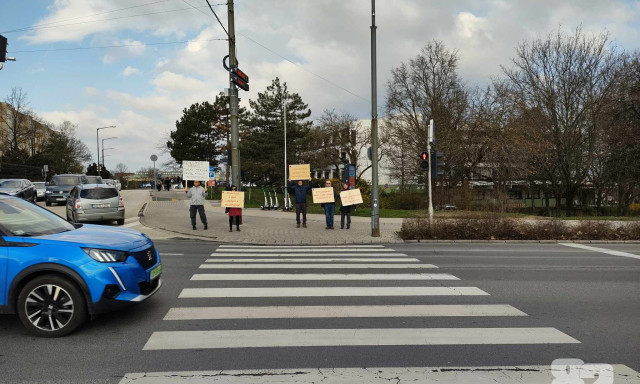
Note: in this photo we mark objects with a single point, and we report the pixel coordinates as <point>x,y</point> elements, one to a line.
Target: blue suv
<point>55,274</point>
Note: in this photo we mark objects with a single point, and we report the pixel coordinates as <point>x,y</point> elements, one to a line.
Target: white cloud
<point>175,82</point>
<point>129,70</point>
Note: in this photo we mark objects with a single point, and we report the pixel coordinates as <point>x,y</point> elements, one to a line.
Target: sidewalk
<point>171,213</point>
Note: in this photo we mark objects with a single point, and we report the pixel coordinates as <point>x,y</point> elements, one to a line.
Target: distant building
<point>32,136</point>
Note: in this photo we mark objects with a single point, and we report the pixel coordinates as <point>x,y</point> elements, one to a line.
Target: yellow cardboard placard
<point>351,197</point>
<point>232,199</point>
<point>323,195</point>
<point>300,171</point>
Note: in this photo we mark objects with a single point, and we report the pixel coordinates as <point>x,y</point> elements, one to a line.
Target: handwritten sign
<point>232,199</point>
<point>195,170</point>
<point>351,197</point>
<point>323,195</point>
<point>300,172</point>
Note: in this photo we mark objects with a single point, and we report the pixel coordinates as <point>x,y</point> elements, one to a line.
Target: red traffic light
<point>424,156</point>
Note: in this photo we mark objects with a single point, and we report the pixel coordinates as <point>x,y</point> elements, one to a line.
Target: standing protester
<point>330,208</point>
<point>345,211</point>
<point>234,212</point>
<point>300,193</point>
<point>197,197</point>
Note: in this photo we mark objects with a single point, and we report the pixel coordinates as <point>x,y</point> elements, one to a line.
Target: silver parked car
<point>41,188</point>
<point>95,202</point>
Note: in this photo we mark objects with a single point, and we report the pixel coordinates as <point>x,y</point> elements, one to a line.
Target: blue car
<point>55,274</point>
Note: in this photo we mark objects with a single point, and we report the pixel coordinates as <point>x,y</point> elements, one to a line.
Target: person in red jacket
<point>234,212</point>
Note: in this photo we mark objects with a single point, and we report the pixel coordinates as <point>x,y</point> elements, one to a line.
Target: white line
<point>131,219</point>
<point>306,260</point>
<point>522,374</point>
<point>329,292</point>
<point>319,276</point>
<point>305,250</point>
<point>171,254</point>
<point>137,223</point>
<point>354,337</point>
<point>305,254</point>
<point>315,266</point>
<point>602,250</point>
<point>333,311</point>
<point>306,247</point>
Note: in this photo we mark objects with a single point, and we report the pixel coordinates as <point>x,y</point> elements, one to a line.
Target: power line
<point>116,46</point>
<point>220,22</point>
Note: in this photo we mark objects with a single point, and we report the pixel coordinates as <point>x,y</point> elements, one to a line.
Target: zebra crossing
<point>377,265</point>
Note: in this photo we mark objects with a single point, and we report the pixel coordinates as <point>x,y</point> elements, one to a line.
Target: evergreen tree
<point>262,145</point>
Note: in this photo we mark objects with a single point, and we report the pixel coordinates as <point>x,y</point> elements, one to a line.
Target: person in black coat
<point>300,193</point>
<point>345,211</point>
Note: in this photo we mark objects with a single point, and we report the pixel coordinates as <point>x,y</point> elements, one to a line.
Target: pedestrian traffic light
<point>424,161</point>
<point>3,49</point>
<point>437,164</point>
<point>239,78</point>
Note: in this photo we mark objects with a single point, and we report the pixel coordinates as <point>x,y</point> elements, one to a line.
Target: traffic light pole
<point>429,139</point>
<point>233,102</point>
<point>375,213</point>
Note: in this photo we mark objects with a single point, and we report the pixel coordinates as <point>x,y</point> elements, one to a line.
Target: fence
<point>20,171</point>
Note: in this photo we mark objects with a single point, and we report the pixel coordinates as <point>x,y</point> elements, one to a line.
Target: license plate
<point>100,205</point>
<point>155,272</point>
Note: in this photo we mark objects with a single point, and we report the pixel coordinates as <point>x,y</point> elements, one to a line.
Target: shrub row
<point>501,228</point>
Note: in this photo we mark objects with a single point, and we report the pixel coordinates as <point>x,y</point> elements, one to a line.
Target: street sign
<point>212,173</point>
<point>154,158</point>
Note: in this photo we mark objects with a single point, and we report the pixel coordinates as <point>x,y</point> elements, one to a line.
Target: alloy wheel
<point>49,307</point>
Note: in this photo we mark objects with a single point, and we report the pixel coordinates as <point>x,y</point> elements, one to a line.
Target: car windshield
<point>39,185</point>
<point>65,180</point>
<point>9,184</point>
<point>20,218</point>
<point>99,193</point>
<point>94,180</point>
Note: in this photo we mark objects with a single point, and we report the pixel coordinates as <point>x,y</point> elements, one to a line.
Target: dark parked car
<point>21,188</point>
<point>60,186</point>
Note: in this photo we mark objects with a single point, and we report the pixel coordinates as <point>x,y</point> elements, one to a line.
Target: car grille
<point>146,258</point>
<point>146,287</point>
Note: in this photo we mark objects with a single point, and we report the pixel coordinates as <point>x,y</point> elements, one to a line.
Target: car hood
<point>9,190</point>
<point>97,236</point>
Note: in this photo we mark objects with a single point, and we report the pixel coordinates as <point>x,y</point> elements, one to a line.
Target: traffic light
<point>437,164</point>
<point>3,49</point>
<point>239,78</point>
<point>424,161</point>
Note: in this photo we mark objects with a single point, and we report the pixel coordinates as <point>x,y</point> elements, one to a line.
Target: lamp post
<point>103,140</point>
<point>98,143</point>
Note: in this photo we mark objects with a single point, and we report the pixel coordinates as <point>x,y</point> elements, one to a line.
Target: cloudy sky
<point>137,63</point>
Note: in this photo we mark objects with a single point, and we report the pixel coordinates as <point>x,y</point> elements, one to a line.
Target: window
<point>65,180</point>
<point>99,193</point>
<point>20,218</point>
<point>10,184</point>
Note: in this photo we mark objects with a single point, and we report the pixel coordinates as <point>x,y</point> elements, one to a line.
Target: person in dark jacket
<point>330,208</point>
<point>300,193</point>
<point>234,212</point>
<point>345,211</point>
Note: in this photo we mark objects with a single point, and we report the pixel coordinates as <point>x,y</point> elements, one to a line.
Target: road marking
<point>338,311</point>
<point>317,250</point>
<point>131,219</point>
<point>319,276</point>
<point>306,254</point>
<point>171,254</point>
<point>522,374</point>
<point>292,247</point>
<point>329,292</point>
<point>130,225</point>
<point>278,260</point>
<point>315,266</point>
<point>601,250</point>
<point>354,337</point>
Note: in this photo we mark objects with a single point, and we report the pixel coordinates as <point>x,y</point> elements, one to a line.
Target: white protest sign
<point>195,170</point>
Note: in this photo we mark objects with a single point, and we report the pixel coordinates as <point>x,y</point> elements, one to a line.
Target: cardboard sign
<point>195,170</point>
<point>300,172</point>
<point>232,199</point>
<point>211,183</point>
<point>351,197</point>
<point>323,195</point>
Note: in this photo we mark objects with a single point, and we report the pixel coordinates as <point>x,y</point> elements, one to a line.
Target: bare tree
<point>15,118</point>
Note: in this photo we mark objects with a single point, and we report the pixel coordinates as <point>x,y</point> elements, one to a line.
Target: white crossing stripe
<point>601,250</point>
<point>305,254</point>
<point>353,337</point>
<point>290,247</point>
<point>321,276</point>
<point>315,266</point>
<point>523,374</point>
<point>329,292</point>
<point>317,250</point>
<point>279,260</point>
<point>339,311</point>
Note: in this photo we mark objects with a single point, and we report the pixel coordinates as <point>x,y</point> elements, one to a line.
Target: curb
<point>523,241</point>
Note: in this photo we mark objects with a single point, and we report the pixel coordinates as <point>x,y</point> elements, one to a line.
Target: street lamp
<point>103,140</point>
<point>98,143</point>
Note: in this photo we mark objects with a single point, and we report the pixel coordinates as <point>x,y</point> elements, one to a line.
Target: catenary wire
<point>116,46</point>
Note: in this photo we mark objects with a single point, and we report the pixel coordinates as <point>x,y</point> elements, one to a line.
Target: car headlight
<point>106,255</point>
<point>47,191</point>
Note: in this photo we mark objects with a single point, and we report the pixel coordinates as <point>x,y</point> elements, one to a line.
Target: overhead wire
<point>116,46</point>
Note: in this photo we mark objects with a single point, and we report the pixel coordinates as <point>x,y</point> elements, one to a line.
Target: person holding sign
<point>300,193</point>
<point>196,197</point>
<point>330,207</point>
<point>345,210</point>
<point>234,212</point>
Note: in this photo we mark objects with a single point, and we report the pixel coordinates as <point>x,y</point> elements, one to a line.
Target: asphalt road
<point>587,302</point>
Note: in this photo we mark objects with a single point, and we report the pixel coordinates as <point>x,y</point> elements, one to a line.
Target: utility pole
<point>233,102</point>
<point>286,186</point>
<point>98,144</point>
<point>430,138</point>
<point>375,213</point>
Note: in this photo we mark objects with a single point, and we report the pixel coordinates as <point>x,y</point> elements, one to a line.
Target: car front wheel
<point>51,306</point>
